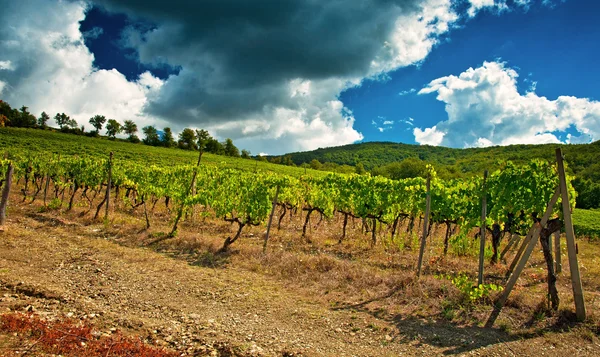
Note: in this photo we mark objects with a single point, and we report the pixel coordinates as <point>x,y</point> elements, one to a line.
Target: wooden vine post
<point>570,234</point>
<point>108,185</point>
<point>6,193</point>
<point>557,257</point>
<point>517,257</point>
<point>46,188</point>
<point>270,220</point>
<point>425,226</point>
<point>513,240</point>
<point>482,229</point>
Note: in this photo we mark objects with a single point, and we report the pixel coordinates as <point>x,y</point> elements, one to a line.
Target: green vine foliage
<point>471,292</point>
<point>514,190</point>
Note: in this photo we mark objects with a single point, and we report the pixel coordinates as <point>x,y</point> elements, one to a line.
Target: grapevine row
<point>515,194</point>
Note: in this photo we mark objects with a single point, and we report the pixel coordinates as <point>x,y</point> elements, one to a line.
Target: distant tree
<point>25,119</point>
<point>71,123</point>
<point>316,164</point>
<point>3,121</point>
<point>167,138</point>
<point>61,119</point>
<point>213,146</point>
<point>5,109</point>
<point>230,149</point>
<point>130,128</point>
<point>133,139</point>
<point>113,128</point>
<point>97,122</point>
<point>411,167</point>
<point>151,136</point>
<point>202,137</point>
<point>12,116</point>
<point>360,169</point>
<point>245,154</point>
<point>261,158</point>
<point>287,160</point>
<point>187,139</point>
<point>407,168</point>
<point>275,160</point>
<point>330,166</point>
<point>43,120</point>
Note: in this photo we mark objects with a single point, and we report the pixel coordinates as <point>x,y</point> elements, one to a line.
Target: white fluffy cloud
<point>414,36</point>
<point>485,108</point>
<point>429,136</point>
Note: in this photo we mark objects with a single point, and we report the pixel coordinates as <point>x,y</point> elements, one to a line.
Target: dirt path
<point>64,268</point>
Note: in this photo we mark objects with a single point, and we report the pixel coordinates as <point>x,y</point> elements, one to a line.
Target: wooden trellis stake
<point>513,240</point>
<point>6,193</point>
<point>270,220</point>
<point>425,226</point>
<point>108,185</point>
<point>557,257</point>
<point>482,230</point>
<point>570,235</point>
<point>517,257</point>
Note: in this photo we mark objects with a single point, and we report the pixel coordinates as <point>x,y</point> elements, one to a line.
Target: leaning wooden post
<point>570,234</point>
<point>108,185</point>
<point>6,193</point>
<point>557,257</point>
<point>270,220</point>
<point>425,226</point>
<point>517,256</point>
<point>482,229</point>
<point>513,240</point>
<point>499,302</point>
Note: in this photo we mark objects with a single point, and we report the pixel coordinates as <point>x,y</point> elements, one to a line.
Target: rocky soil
<point>57,267</point>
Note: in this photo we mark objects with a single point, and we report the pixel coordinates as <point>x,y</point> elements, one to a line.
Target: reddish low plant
<point>69,338</point>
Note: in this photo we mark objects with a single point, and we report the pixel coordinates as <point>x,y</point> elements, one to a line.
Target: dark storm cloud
<point>237,56</point>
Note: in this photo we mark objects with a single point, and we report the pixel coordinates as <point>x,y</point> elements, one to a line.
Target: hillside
<point>373,154</point>
<point>59,143</point>
<point>582,160</point>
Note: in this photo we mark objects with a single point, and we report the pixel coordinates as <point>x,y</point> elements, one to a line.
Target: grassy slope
<point>587,223</point>
<point>67,144</point>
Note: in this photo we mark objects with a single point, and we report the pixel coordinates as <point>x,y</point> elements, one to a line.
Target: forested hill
<point>374,154</point>
<point>380,158</point>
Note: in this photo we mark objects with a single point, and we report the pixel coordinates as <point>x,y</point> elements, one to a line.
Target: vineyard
<point>364,214</point>
<point>515,195</point>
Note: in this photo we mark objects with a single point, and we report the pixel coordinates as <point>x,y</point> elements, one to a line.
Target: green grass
<point>587,223</point>
<point>35,140</point>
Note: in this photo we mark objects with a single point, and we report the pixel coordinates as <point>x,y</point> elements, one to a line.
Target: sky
<point>282,76</point>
